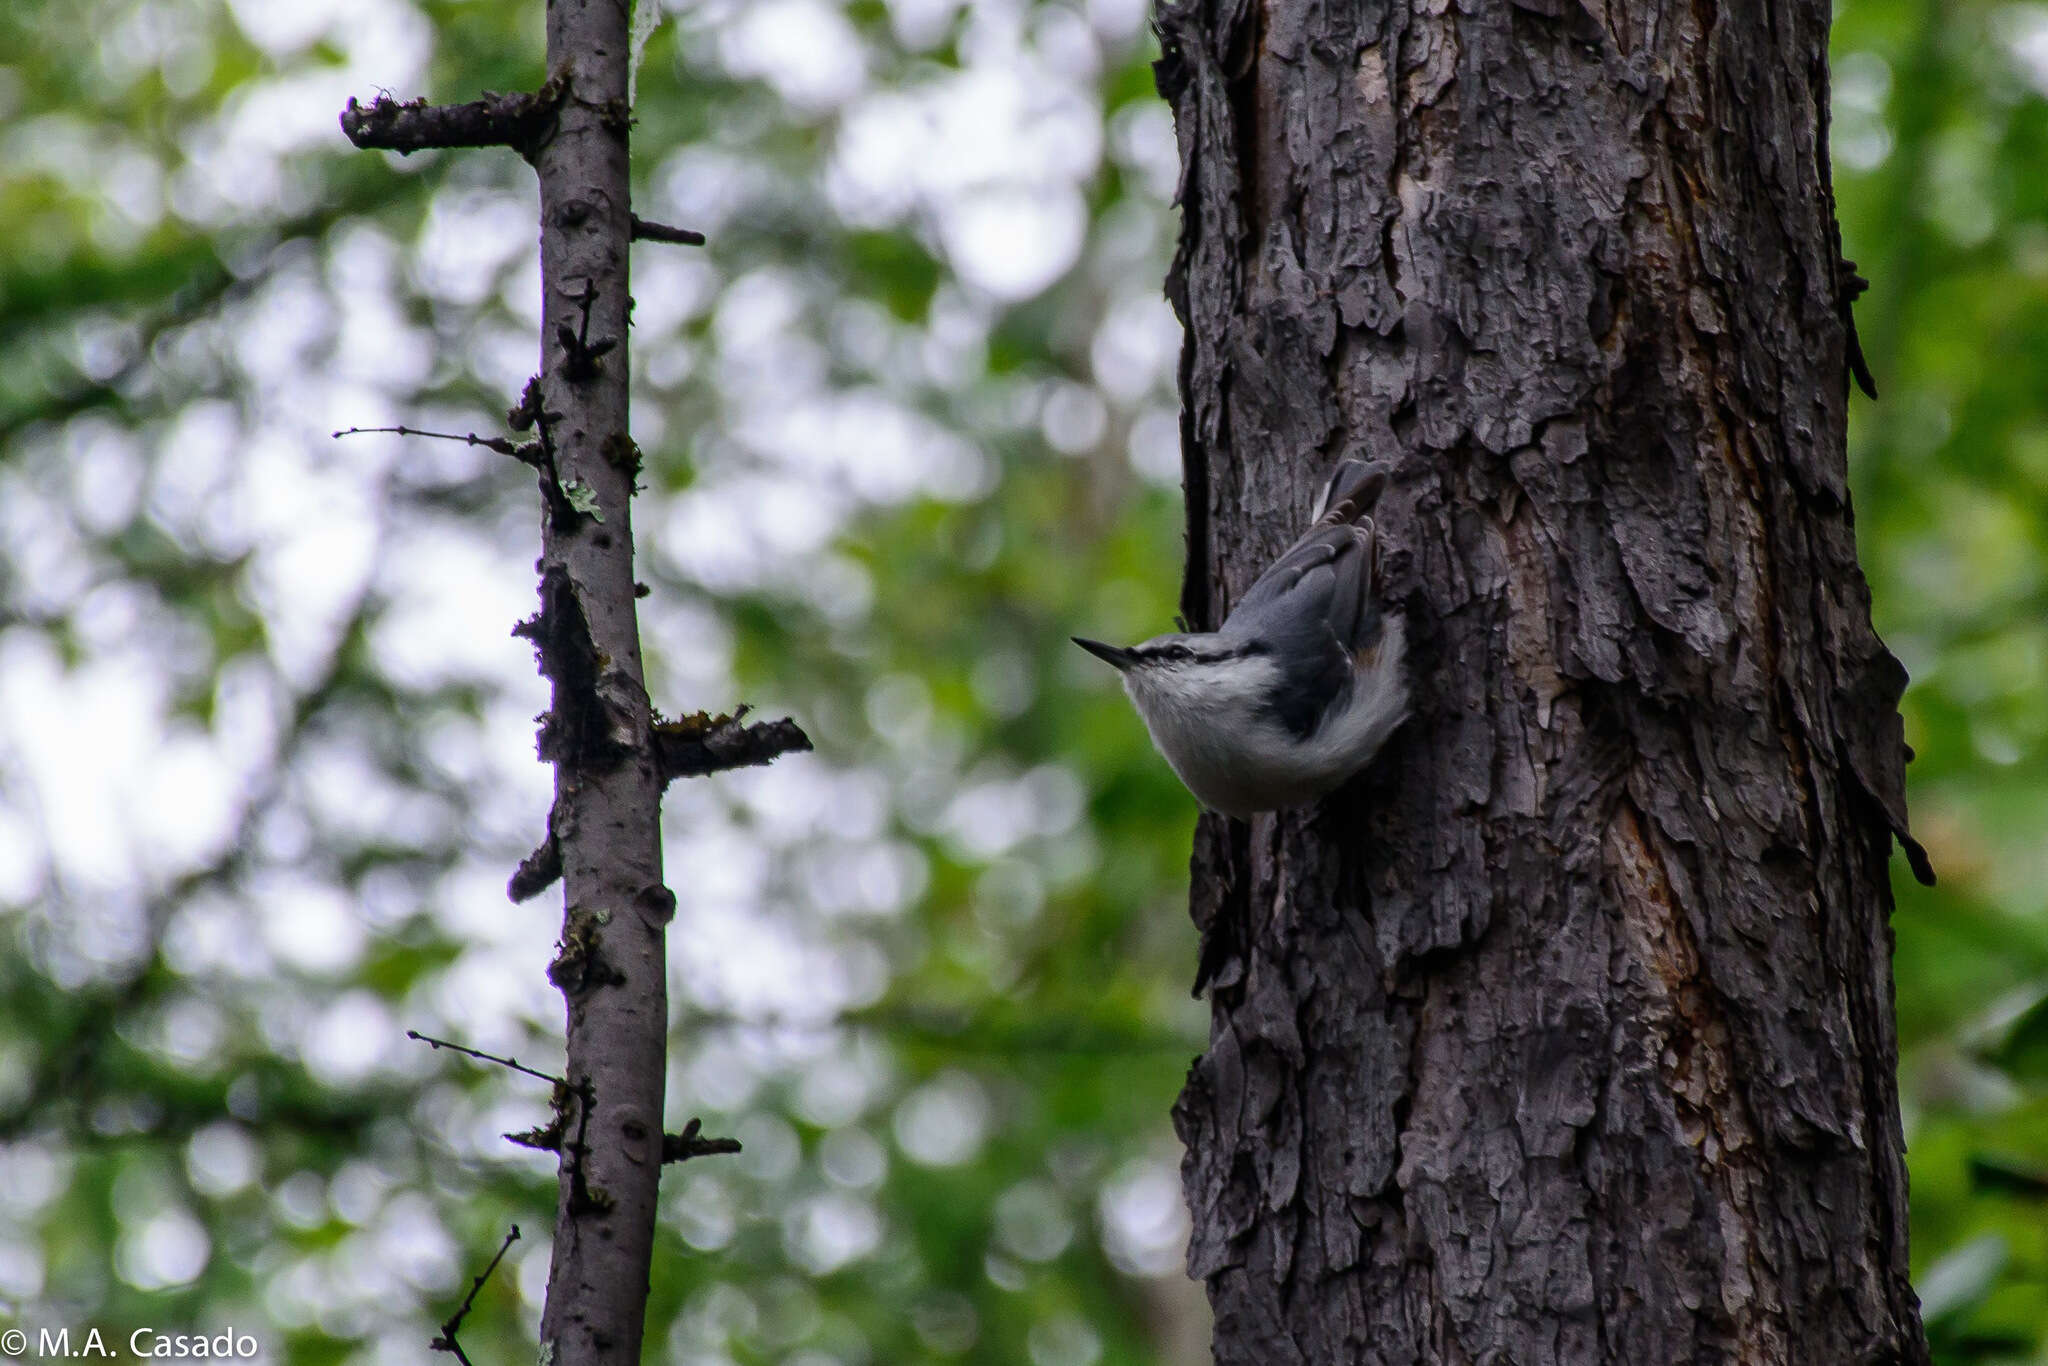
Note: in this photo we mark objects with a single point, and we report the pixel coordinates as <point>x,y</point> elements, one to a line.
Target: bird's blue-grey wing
<point>1341,540</point>
<point>1351,491</point>
<point>1318,605</point>
<point>1355,598</point>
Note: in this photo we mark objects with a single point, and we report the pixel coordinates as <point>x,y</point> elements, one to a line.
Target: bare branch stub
<point>446,1342</point>
<point>686,1145</point>
<point>519,121</point>
<point>692,746</point>
<point>645,231</point>
<point>539,869</point>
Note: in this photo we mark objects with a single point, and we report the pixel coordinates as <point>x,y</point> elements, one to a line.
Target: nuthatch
<point>1300,686</point>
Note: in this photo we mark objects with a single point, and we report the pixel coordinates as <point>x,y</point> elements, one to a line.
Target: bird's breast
<point>1234,753</point>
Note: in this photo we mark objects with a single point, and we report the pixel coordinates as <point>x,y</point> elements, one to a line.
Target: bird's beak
<point>1112,654</point>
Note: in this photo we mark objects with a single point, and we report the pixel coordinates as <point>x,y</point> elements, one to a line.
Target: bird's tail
<point>1354,488</point>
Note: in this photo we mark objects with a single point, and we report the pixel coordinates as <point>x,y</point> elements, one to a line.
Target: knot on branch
<point>581,355</point>
<point>622,453</point>
<point>580,965</point>
<point>694,745</point>
<point>580,358</point>
<point>538,870</point>
<point>656,903</point>
<point>575,729</point>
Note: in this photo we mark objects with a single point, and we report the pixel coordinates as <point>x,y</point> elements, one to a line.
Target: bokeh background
<point>266,741</point>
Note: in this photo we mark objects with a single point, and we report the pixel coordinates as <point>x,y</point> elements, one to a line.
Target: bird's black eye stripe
<point>1176,653</point>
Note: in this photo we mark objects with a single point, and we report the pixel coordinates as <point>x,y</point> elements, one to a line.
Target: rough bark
<point>1565,1035</point>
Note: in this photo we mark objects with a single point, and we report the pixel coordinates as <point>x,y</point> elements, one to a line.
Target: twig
<point>644,231</point>
<point>446,1342</point>
<point>525,452</point>
<point>481,1056</point>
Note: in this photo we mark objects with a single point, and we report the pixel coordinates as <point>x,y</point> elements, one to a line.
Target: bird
<point>1300,686</point>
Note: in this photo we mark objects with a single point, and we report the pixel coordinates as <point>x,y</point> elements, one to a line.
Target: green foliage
<point>895,266</point>
<point>1940,121</point>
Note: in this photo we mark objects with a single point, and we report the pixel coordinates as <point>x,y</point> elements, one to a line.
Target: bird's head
<point>1175,652</point>
<point>1186,670</point>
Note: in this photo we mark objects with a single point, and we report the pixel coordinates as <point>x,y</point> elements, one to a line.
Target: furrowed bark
<point>612,966</point>
<point>1565,1035</point>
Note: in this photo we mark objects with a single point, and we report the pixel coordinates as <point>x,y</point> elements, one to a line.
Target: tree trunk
<point>1564,1035</point>
<point>606,823</point>
<point>612,752</point>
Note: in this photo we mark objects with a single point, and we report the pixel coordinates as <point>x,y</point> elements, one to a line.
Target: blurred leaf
<point>1962,1279</point>
<point>1995,1175</point>
<point>2023,1054</point>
